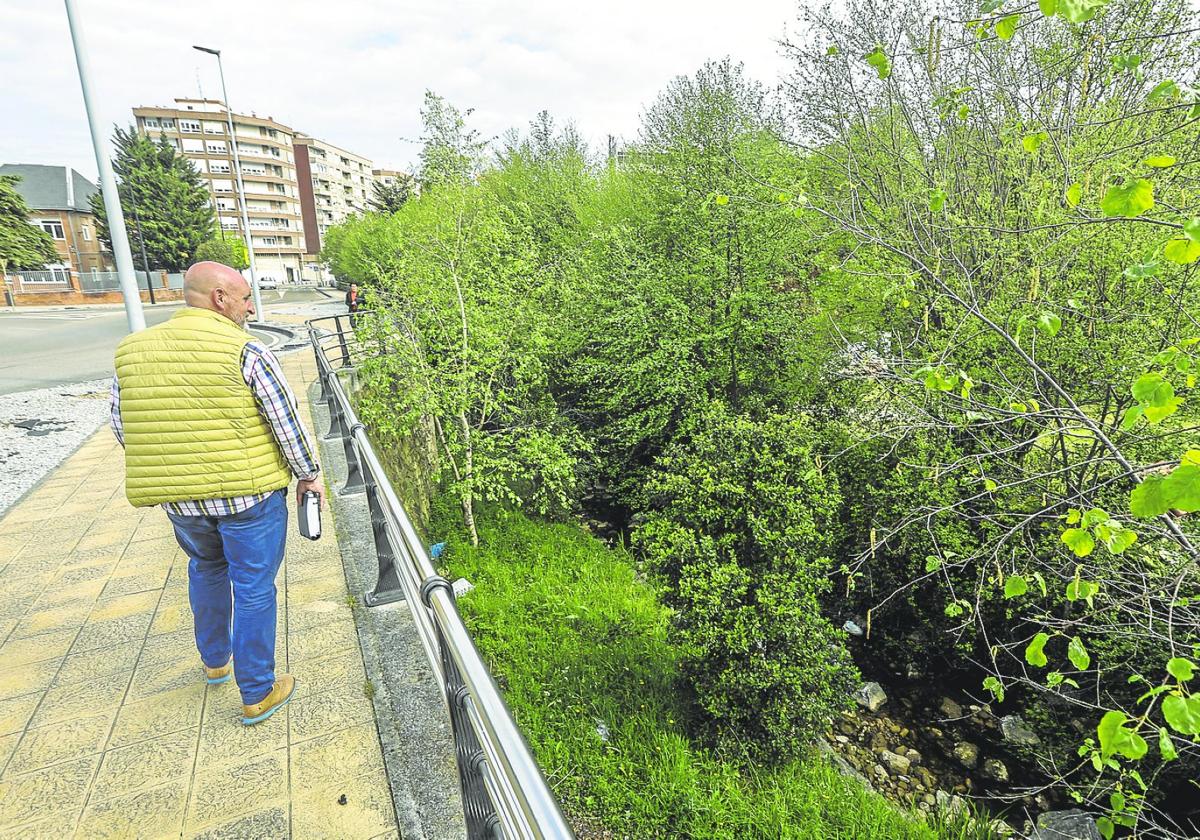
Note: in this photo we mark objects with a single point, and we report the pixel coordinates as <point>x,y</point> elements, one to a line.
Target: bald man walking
<point>212,433</point>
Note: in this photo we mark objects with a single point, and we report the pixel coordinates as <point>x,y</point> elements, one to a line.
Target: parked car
<point>266,281</point>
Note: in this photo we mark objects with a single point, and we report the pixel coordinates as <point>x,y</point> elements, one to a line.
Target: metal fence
<point>40,281</point>
<point>99,281</point>
<point>175,281</point>
<point>504,793</point>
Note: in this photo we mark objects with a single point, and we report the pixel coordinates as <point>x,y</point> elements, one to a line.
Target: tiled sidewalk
<point>106,726</point>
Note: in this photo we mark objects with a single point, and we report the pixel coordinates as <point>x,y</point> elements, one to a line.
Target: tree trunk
<point>468,493</point>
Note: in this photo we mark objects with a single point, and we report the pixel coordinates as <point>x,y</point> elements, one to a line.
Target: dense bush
<point>739,529</point>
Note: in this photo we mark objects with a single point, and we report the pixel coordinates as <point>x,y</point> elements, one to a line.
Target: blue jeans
<point>242,551</point>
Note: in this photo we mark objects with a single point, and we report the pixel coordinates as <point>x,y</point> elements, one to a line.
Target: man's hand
<point>313,484</point>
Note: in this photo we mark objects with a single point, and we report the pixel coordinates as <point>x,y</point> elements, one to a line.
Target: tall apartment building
<point>339,185</point>
<point>199,129</point>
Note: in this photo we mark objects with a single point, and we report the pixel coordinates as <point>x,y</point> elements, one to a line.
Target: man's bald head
<point>219,288</point>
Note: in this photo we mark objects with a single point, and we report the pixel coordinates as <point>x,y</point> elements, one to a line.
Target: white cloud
<point>353,71</point>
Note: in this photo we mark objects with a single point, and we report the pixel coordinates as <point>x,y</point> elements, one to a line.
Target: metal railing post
<point>388,588</point>
<point>341,334</point>
<point>354,474</point>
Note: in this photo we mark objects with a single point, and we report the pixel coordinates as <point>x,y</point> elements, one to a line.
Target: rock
<point>928,799</point>
<point>927,779</point>
<point>967,754</point>
<point>1001,829</point>
<point>994,769</point>
<point>879,771</point>
<point>895,763</point>
<point>852,628</point>
<point>949,802</point>
<point>1016,731</point>
<point>841,739</point>
<point>847,727</point>
<point>871,696</point>
<point>950,709</point>
<point>935,733</point>
<point>904,733</point>
<point>878,742</point>
<point>602,730</point>
<point>1066,825</point>
<point>892,726</point>
<point>913,756</point>
<point>912,671</point>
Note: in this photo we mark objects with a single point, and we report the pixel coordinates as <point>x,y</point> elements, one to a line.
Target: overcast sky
<point>353,72</point>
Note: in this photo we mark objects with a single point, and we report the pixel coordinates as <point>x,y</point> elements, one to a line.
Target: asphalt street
<point>56,347</point>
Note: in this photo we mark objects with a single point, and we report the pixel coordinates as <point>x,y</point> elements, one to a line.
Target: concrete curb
<point>410,715</point>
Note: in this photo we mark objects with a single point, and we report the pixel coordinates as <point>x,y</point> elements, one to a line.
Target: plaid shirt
<point>261,371</point>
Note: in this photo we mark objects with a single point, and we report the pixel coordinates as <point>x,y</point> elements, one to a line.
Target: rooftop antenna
<point>199,87</point>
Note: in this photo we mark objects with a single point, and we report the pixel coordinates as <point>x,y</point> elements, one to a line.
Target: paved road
<point>43,349</point>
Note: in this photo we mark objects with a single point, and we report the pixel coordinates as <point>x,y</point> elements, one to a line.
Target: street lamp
<point>108,184</point>
<point>237,168</point>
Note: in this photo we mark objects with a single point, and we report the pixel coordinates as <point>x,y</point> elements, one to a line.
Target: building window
<point>150,122</point>
<point>219,166</point>
<point>217,148</point>
<point>87,233</point>
<point>214,128</point>
<point>53,227</point>
<point>192,126</point>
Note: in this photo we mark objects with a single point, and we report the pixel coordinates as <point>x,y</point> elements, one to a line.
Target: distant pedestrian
<point>211,432</point>
<point>353,302</point>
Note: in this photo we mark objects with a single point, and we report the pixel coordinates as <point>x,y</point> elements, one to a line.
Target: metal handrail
<point>505,794</point>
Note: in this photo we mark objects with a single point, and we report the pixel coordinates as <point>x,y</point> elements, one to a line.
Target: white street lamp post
<point>237,167</point>
<point>108,184</point>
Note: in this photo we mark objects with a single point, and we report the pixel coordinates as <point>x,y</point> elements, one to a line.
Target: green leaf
<point>1159,161</point>
<point>1015,586</point>
<point>722,199</point>
<point>878,59</point>
<point>1049,323</point>
<point>1182,251</point>
<point>1073,516</point>
<point>1152,389</point>
<point>1035,653</point>
<point>937,200</point>
<point>1006,27</point>
<point>1078,654</point>
<point>1180,668</point>
<point>1080,11</point>
<point>1032,142</point>
<point>932,563</point>
<point>1079,541</point>
<point>1141,272</point>
<point>1074,194</point>
<point>1106,828</point>
<point>1131,416</point>
<point>996,687</point>
<point>1150,498</point>
<point>1130,199</point>
<point>1164,90</point>
<point>1191,229</point>
<point>1041,582</point>
<point>1119,540</point>
<point>1115,739</point>
<point>1079,589</point>
<point>1182,713</point>
<point>1166,747</point>
<point>832,50</point>
<point>1048,7</point>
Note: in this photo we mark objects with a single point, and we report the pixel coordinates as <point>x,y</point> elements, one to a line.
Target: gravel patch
<point>38,429</point>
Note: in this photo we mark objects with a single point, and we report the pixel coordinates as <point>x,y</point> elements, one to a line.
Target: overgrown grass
<point>578,645</point>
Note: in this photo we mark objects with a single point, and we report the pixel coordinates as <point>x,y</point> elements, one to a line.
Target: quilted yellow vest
<point>192,426</point>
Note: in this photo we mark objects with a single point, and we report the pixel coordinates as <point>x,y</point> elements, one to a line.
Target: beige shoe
<point>216,676</point>
<point>281,692</point>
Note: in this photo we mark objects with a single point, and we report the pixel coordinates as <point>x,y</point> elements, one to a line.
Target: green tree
<point>230,251</point>
<point>388,198</point>
<point>174,214</point>
<point>22,246</point>
<point>450,152</point>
